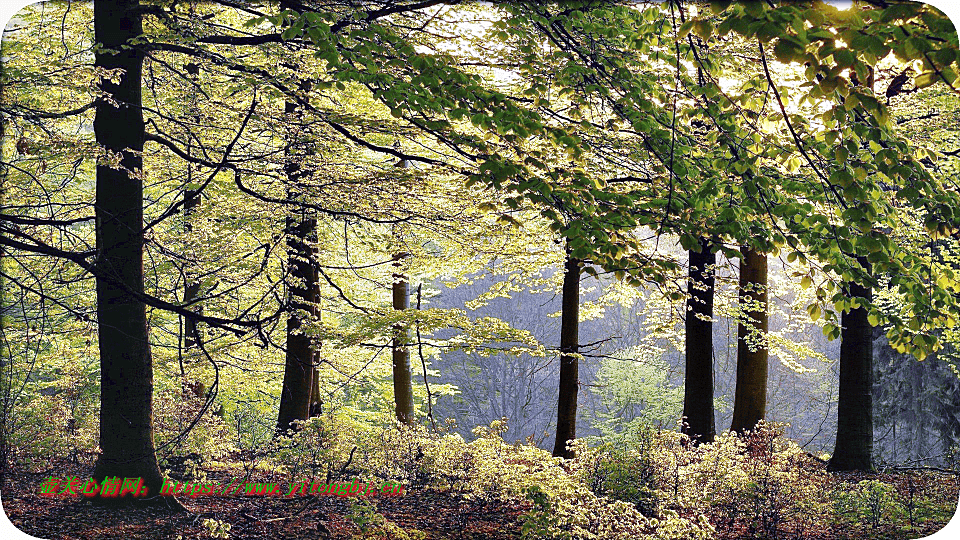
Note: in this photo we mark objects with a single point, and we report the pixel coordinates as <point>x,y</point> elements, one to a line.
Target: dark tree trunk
<point>191,203</point>
<point>298,367</point>
<point>4,358</point>
<point>126,369</point>
<point>316,402</point>
<point>402,377</point>
<point>191,289</point>
<point>300,231</point>
<point>750,399</point>
<point>569,365</point>
<point>854,448</point>
<point>698,382</point>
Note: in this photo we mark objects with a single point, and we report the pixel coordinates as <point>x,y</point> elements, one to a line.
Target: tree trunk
<point>402,377</point>
<point>569,345</point>
<point>698,381</point>
<point>191,203</point>
<point>316,402</point>
<point>854,448</point>
<point>298,366</point>
<point>300,231</point>
<point>750,399</point>
<point>191,288</point>
<point>126,370</point>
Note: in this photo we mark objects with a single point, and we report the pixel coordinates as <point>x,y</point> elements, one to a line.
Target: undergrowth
<point>651,484</point>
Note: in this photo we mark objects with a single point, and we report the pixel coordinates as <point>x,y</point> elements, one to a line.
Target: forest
<point>424,269</point>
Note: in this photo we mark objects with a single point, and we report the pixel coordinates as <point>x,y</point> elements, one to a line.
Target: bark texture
<point>316,402</point>
<point>698,382</point>
<point>402,377</point>
<point>569,365</point>
<point>191,288</point>
<point>299,361</point>
<point>126,369</point>
<point>750,398</point>
<point>854,447</point>
<point>191,204</point>
<point>300,231</point>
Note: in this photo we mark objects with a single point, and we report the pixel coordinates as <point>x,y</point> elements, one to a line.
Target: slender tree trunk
<point>854,448</point>
<point>126,370</point>
<point>750,399</point>
<point>5,358</point>
<point>191,203</point>
<point>191,289</point>
<point>402,373</point>
<point>300,230</point>
<point>402,376</point>
<point>316,402</point>
<point>5,385</point>
<point>698,382</point>
<point>569,365</point>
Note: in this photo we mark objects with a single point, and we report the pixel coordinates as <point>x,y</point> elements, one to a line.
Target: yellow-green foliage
<point>372,524</point>
<point>486,467</point>
<point>653,485</point>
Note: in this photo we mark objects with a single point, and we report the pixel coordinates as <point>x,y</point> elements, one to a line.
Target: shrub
<point>373,524</point>
<point>623,472</point>
<point>876,502</point>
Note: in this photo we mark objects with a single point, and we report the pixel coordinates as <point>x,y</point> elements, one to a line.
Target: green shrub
<point>625,474</point>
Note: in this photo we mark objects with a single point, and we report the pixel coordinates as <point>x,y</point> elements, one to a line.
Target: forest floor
<point>438,515</point>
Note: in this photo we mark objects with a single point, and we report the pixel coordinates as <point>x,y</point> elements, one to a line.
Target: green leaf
<point>925,79</point>
<point>717,6</point>
<point>703,28</point>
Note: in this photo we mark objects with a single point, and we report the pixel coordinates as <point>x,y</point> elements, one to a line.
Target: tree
<point>191,204</point>
<point>402,377</point>
<point>854,447</point>
<point>698,338</point>
<point>316,402</point>
<point>569,369</point>
<point>126,367</point>
<point>297,394</point>
<point>750,397</point>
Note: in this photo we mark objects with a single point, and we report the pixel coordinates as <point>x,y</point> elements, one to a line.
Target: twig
<point>935,469</point>
<point>424,363</point>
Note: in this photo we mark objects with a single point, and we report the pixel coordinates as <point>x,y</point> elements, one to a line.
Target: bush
<point>623,472</point>
<point>373,524</point>
<point>652,484</point>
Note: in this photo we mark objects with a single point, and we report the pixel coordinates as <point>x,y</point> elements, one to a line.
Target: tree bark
<point>191,288</point>
<point>569,365</point>
<point>298,365</point>
<point>750,399</point>
<point>854,446</point>
<point>402,377</point>
<point>126,370</point>
<point>698,381</point>
<point>300,231</point>
<point>316,402</point>
<point>191,203</point>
